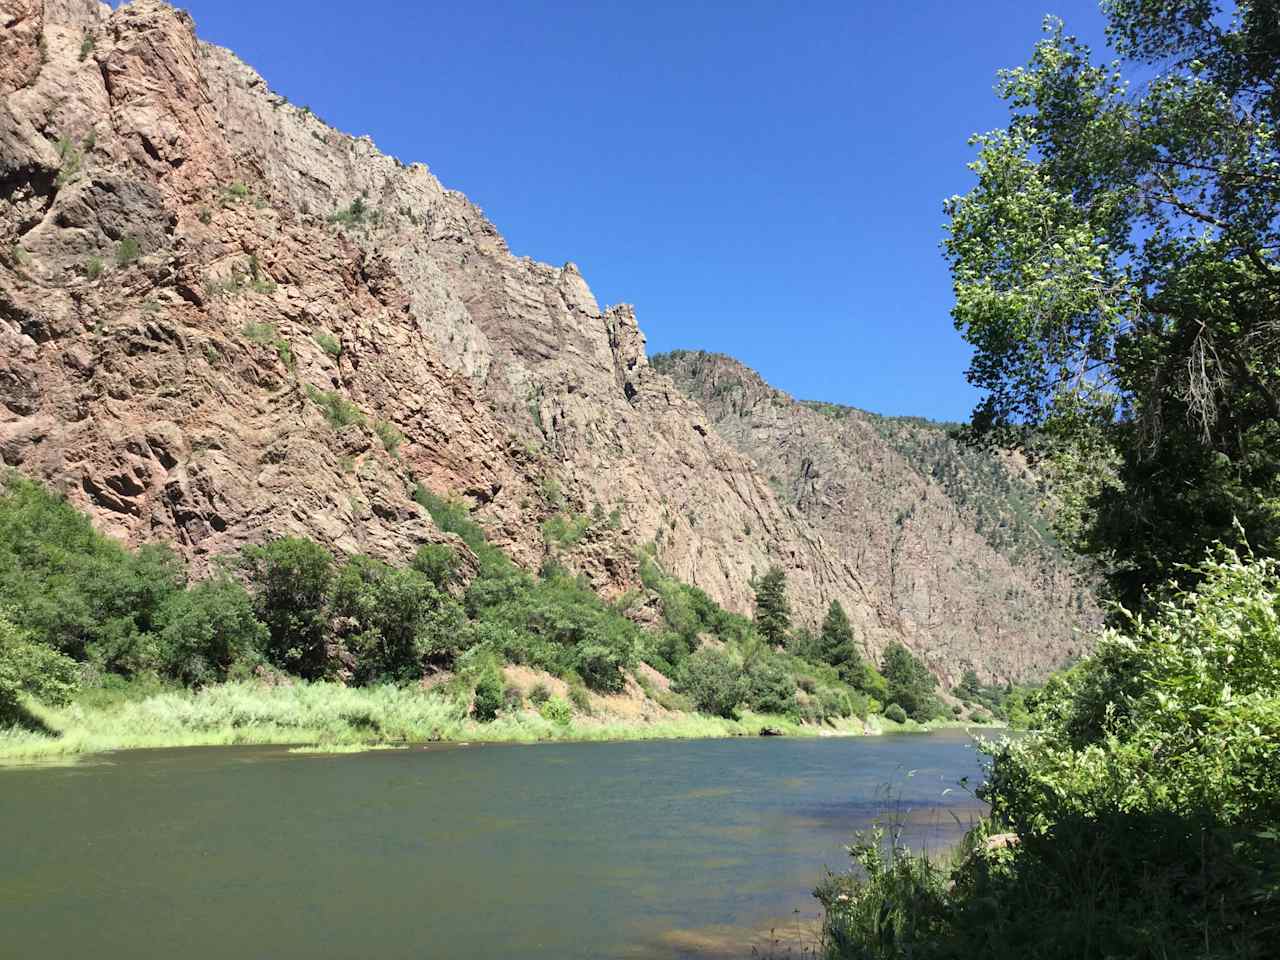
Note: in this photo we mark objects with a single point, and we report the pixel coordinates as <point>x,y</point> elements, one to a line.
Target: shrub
<point>1143,810</point>
<point>834,703</point>
<point>539,694</point>
<point>29,668</point>
<point>712,680</point>
<point>895,713</point>
<point>75,590</point>
<point>127,251</point>
<point>676,702</point>
<point>488,696</point>
<point>391,437</point>
<point>393,621</point>
<point>290,580</point>
<point>71,158</point>
<point>438,562</point>
<point>566,530</point>
<point>767,687</point>
<point>337,409</point>
<point>452,516</point>
<point>93,268</point>
<point>328,343</point>
<point>512,698</point>
<point>260,333</point>
<point>207,628</point>
<point>580,698</point>
<point>351,216</point>
<point>554,623</point>
<point>86,46</point>
<point>557,710</point>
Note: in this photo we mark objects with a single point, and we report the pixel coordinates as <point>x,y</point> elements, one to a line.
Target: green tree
<point>74,589</point>
<point>29,668</point>
<point>712,680</point>
<point>1117,271</point>
<point>392,621</point>
<point>969,688</point>
<point>773,611</point>
<point>837,647</point>
<point>290,580</point>
<point>207,628</point>
<point>438,562</point>
<point>909,683</point>
<point>768,687</point>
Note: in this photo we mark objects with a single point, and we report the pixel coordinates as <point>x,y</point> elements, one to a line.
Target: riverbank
<point>333,717</point>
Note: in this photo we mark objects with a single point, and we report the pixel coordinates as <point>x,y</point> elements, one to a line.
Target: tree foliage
<point>1139,821</point>
<point>909,683</point>
<point>773,611</point>
<point>1117,270</point>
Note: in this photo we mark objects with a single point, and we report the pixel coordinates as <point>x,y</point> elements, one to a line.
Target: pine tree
<point>910,684</point>
<point>773,612</point>
<point>837,646</point>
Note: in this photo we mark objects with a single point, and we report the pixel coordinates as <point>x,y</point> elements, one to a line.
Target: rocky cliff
<point>949,545</point>
<point>222,320</point>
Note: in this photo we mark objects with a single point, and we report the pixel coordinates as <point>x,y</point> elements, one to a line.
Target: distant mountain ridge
<point>949,543</point>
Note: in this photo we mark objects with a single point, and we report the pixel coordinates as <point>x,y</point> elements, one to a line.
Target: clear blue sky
<point>763,179</point>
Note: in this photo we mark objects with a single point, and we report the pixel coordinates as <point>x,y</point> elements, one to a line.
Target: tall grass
<point>328,715</point>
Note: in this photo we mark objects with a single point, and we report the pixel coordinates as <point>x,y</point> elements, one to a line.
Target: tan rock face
<point>1006,601</point>
<point>177,294</point>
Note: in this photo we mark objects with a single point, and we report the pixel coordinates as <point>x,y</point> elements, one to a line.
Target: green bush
<point>438,562</point>
<point>207,628</point>
<point>566,530</point>
<point>488,696</point>
<point>512,698</point>
<point>31,669</point>
<point>75,590</point>
<point>1143,811</point>
<point>539,694</point>
<point>291,580</point>
<point>351,216</point>
<point>328,343</point>
<point>337,409</point>
<point>580,698</point>
<point>895,713</point>
<point>555,624</point>
<point>767,687</point>
<point>556,710</point>
<point>712,680</point>
<point>127,251</point>
<point>834,703</point>
<point>391,437</point>
<point>392,621</point>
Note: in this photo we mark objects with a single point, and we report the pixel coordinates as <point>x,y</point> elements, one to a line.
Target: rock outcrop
<point>222,320</point>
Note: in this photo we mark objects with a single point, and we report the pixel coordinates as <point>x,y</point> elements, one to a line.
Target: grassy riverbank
<point>330,715</point>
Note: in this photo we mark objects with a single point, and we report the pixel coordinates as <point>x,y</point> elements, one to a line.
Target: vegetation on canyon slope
<point>292,634</point>
<point>1116,273</point>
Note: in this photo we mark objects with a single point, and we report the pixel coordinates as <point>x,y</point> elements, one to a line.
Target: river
<point>658,849</point>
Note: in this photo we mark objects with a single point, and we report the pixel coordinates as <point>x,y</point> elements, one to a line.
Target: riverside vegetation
<point>1116,272</point>
<point>103,647</point>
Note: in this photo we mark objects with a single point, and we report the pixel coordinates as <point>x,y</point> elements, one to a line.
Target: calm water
<point>623,850</point>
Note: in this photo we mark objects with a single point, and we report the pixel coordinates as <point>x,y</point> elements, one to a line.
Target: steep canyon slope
<point>222,320</point>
